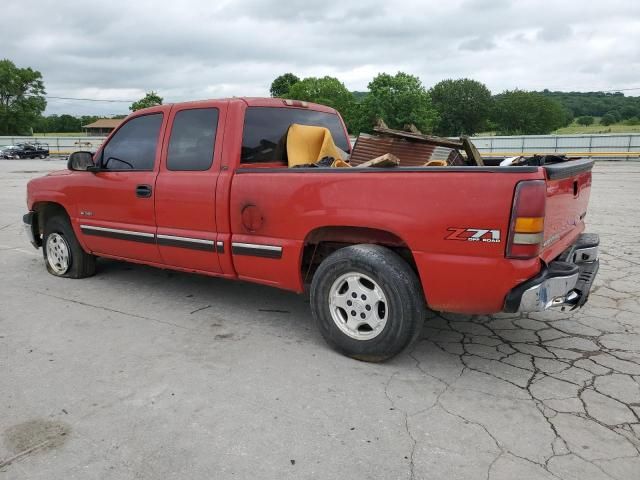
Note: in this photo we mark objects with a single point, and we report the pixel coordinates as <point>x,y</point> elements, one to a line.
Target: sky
<point>197,49</point>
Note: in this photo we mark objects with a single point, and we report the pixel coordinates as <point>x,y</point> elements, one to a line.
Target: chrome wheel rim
<point>57,253</point>
<point>358,306</point>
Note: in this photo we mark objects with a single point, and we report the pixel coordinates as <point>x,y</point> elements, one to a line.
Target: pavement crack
<point>112,310</point>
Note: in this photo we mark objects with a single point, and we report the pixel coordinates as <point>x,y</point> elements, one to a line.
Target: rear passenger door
<point>186,188</point>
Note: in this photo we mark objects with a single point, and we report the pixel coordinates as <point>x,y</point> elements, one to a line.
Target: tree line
<point>23,101</point>
<point>451,107</point>
<point>71,124</point>
<point>458,106</point>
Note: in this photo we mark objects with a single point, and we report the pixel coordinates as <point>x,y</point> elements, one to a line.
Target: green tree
<point>69,124</point>
<point>331,92</point>
<point>399,100</point>
<point>629,111</point>
<point>607,119</point>
<point>585,120</point>
<point>151,99</point>
<point>41,124</point>
<point>518,112</point>
<point>281,85</point>
<point>21,98</point>
<point>615,114</point>
<point>463,105</point>
<point>87,119</point>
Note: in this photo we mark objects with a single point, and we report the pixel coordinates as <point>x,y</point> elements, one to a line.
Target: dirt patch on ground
<point>34,436</point>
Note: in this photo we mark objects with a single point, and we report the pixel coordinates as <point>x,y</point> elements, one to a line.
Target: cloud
<point>554,33</point>
<point>477,44</point>
<point>201,49</point>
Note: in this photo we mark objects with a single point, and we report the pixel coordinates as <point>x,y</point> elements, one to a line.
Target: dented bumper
<point>564,282</point>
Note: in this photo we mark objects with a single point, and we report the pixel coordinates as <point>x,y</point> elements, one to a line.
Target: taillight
<point>526,231</point>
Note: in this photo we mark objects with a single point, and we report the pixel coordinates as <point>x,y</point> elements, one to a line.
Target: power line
<point>131,101</point>
<point>89,99</point>
<point>618,90</point>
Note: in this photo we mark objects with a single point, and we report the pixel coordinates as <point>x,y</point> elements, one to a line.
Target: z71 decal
<point>474,235</point>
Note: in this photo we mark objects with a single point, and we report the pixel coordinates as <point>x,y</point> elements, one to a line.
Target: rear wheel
<point>367,302</point>
<point>63,255</point>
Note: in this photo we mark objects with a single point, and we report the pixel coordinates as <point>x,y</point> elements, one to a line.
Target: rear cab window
<point>265,129</point>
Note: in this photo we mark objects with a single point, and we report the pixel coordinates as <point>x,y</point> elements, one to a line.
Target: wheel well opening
<point>45,210</point>
<point>322,242</point>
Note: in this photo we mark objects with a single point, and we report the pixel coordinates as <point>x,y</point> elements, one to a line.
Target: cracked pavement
<point>155,374</point>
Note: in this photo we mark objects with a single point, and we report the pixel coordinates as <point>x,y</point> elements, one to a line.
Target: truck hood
<point>57,173</point>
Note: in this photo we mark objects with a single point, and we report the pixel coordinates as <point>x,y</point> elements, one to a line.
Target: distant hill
<point>597,104</point>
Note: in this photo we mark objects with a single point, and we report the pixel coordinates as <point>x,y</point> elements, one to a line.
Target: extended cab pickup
<point>204,187</point>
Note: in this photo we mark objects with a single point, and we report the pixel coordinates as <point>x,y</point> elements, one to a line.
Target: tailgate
<point>568,190</point>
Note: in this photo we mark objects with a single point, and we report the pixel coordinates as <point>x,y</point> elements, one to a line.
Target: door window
<point>192,139</point>
<point>133,147</point>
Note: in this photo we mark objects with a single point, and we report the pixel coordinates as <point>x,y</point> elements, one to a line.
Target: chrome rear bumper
<point>565,282</point>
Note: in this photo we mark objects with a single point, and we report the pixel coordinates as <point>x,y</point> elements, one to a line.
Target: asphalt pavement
<point>141,373</point>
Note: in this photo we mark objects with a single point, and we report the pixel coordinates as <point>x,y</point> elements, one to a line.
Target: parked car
<point>204,187</point>
<point>31,150</point>
<point>9,152</point>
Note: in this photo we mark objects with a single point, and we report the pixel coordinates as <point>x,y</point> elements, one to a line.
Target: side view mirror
<point>80,161</point>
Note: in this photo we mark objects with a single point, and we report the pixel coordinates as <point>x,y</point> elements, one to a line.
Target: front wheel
<point>367,302</point>
<point>63,255</point>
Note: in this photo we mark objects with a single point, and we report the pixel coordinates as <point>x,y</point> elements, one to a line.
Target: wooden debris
<point>473,156</point>
<point>410,127</point>
<point>380,123</point>
<point>419,137</point>
<point>386,160</point>
<point>471,151</point>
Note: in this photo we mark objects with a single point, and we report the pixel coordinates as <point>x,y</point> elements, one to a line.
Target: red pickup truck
<point>204,187</point>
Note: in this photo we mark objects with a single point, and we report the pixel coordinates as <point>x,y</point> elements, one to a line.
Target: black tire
<point>80,264</point>
<point>400,286</point>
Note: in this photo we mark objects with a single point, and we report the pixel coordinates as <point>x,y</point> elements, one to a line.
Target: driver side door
<point>116,212</point>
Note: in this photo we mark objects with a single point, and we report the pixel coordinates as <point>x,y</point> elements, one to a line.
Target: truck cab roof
<point>250,102</point>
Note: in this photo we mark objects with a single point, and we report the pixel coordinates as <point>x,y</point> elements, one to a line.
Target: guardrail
<point>623,146</point>
<point>58,145</point>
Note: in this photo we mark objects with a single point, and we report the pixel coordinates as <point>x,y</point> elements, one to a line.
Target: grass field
<point>597,128</point>
<point>575,129</point>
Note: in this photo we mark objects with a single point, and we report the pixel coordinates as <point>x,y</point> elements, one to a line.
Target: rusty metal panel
<point>411,154</point>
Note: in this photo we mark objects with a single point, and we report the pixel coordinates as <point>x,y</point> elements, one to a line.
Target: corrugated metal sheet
<point>411,154</point>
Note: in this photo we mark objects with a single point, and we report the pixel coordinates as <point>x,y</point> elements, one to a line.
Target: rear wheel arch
<point>323,241</point>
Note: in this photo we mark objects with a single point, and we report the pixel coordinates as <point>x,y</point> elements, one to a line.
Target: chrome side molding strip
<point>256,250</point>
